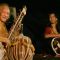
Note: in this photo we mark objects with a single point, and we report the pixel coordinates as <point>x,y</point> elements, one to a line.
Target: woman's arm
<point>52,35</point>
<point>48,33</point>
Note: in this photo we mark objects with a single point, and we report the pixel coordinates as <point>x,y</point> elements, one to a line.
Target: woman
<point>51,31</point>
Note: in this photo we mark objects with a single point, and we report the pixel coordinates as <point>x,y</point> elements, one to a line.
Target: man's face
<point>53,18</point>
<point>5,14</point>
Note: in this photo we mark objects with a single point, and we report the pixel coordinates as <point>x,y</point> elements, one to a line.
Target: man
<point>4,16</point>
<point>15,51</point>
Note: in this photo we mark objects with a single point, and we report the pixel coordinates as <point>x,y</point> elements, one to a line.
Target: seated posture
<point>23,49</point>
<point>4,16</point>
<point>51,31</point>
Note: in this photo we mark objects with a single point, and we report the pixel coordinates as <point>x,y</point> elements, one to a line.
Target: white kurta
<point>3,33</point>
<point>2,51</point>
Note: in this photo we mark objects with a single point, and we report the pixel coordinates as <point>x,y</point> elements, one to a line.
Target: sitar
<point>21,46</point>
<point>16,26</point>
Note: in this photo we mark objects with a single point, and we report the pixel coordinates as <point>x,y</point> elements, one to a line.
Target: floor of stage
<point>45,57</point>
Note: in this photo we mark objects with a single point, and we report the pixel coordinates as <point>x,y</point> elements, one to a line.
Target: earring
<point>56,19</point>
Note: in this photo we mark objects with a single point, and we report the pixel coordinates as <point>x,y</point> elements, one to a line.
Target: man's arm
<point>5,40</point>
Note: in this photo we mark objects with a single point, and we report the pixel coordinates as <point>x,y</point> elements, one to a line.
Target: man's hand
<point>7,41</point>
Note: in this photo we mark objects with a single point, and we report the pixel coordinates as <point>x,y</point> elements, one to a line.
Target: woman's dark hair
<point>58,23</point>
<point>58,26</point>
<point>52,12</point>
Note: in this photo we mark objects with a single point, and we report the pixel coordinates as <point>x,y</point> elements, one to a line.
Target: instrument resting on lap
<point>55,44</point>
<point>24,49</point>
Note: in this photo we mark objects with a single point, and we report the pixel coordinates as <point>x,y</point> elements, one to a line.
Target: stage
<point>40,57</point>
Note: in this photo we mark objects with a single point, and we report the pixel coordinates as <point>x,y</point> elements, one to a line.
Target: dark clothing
<point>48,47</point>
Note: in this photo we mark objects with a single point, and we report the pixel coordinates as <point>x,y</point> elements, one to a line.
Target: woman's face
<point>5,13</point>
<point>53,18</point>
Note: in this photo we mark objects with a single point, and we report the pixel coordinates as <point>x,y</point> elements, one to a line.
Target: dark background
<point>36,18</point>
